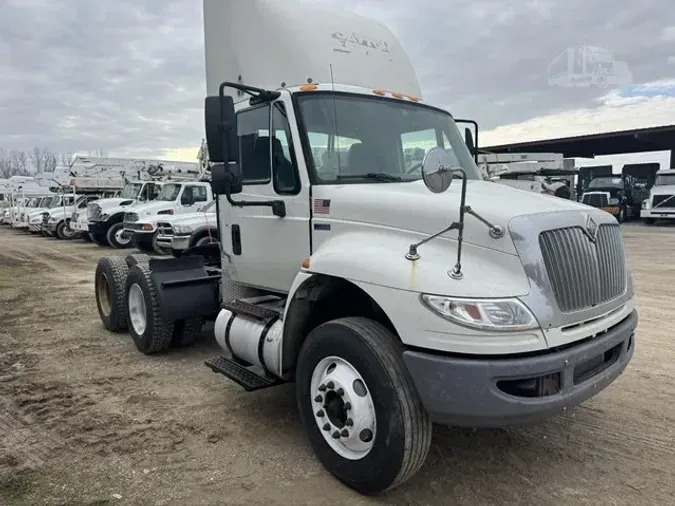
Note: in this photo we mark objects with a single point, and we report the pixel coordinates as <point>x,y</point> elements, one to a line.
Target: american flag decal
<point>321,206</point>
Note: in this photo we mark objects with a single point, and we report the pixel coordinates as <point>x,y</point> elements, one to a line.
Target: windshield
<point>169,192</point>
<point>665,179</point>
<point>355,137</point>
<point>131,190</point>
<point>56,201</point>
<point>606,182</point>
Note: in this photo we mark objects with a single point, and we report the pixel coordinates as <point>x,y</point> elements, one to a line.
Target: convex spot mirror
<point>437,170</point>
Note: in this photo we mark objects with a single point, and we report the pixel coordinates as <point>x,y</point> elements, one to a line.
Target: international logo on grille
<point>591,229</point>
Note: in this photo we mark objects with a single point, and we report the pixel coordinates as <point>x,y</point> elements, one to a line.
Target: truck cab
<point>660,204</point>
<point>175,198</point>
<point>394,292</point>
<point>106,216</point>
<point>178,233</point>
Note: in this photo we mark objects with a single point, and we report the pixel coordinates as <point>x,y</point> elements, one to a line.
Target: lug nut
<point>349,422</point>
<point>336,435</point>
<point>330,385</point>
<point>320,413</point>
<point>322,388</point>
<point>344,433</point>
<point>348,406</point>
<point>340,392</point>
<point>326,426</point>
<point>318,398</point>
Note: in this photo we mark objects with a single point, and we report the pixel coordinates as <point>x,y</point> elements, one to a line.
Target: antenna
<point>335,137</point>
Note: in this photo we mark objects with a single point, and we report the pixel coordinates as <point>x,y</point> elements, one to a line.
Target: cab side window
<point>284,165</point>
<point>254,149</point>
<point>193,194</point>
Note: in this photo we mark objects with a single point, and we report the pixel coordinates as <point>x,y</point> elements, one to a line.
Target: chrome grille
<point>663,201</point>
<point>583,273</point>
<point>164,228</point>
<point>93,211</point>
<point>130,217</point>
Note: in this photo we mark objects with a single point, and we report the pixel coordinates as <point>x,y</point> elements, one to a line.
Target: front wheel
<point>621,217</point>
<point>359,405</point>
<point>116,237</point>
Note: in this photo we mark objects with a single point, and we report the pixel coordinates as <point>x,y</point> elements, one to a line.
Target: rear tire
<point>109,286</point>
<point>369,461</point>
<point>137,258</point>
<point>150,332</point>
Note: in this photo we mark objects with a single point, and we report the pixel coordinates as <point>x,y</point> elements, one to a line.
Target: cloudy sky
<point>128,76</point>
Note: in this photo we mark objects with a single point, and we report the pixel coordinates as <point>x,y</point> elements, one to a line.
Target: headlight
<point>166,211</point>
<point>613,201</point>
<point>182,229</point>
<point>53,219</point>
<point>645,203</point>
<point>104,217</point>
<point>485,314</point>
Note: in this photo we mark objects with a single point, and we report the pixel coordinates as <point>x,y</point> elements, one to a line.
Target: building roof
<point>661,138</point>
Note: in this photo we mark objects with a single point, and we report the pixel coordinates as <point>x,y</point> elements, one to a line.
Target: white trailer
<point>392,295</point>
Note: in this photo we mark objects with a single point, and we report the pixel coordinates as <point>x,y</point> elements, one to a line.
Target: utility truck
<point>174,199</point>
<point>392,294</point>
<point>660,204</point>
<point>547,173</point>
<point>143,180</point>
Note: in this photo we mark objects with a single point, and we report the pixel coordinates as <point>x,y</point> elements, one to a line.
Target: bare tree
<point>19,160</point>
<point>99,153</point>
<point>5,164</point>
<point>42,159</point>
<point>65,159</point>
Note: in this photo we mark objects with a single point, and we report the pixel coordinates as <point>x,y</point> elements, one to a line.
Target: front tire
<point>115,237</point>
<point>360,407</point>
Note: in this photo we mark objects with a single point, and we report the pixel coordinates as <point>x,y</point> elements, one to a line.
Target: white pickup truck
<point>175,198</point>
<point>176,234</point>
<point>660,205</point>
<point>392,296</point>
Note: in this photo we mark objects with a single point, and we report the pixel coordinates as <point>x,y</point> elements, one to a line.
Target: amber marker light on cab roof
<point>309,87</point>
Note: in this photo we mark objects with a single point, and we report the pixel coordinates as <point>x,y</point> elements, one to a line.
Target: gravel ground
<point>85,419</point>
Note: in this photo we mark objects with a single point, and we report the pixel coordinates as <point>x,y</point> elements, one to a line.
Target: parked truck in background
<point>392,294</point>
<point>660,204</point>
<point>179,233</point>
<point>144,179</point>
<point>175,198</point>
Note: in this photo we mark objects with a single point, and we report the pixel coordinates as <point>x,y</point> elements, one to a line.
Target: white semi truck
<point>660,205</point>
<point>393,296</point>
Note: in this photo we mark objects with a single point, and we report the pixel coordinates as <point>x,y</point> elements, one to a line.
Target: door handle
<point>236,239</point>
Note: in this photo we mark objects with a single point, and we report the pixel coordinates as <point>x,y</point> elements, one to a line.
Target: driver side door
<point>266,251</point>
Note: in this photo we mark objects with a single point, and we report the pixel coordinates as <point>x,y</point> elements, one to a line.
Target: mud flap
<point>185,288</point>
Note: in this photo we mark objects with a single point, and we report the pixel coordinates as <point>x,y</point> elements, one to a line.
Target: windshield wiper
<point>377,176</point>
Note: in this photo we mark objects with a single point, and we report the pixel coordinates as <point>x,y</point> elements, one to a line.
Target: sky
<point>128,76</point>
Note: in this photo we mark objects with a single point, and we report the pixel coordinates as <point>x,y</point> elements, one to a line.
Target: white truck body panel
<point>239,36</point>
<point>661,202</point>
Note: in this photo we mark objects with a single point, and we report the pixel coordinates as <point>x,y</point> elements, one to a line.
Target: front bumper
<point>657,214</point>
<point>175,242</point>
<point>472,392</point>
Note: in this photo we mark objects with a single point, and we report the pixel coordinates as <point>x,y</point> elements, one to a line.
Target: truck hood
<point>412,207</point>
<point>107,205</point>
<point>149,208</point>
<point>189,218</point>
<point>663,190</point>
<point>61,210</point>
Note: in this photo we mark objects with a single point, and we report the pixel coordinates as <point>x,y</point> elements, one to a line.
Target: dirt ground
<point>85,419</point>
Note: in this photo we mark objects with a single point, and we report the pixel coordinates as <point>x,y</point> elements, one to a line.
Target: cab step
<point>244,308</point>
<point>241,375</point>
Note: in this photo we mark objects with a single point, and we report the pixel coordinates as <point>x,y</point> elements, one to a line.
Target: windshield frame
<point>180,189</point>
<point>133,184</point>
<point>297,99</point>
<point>618,186</point>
